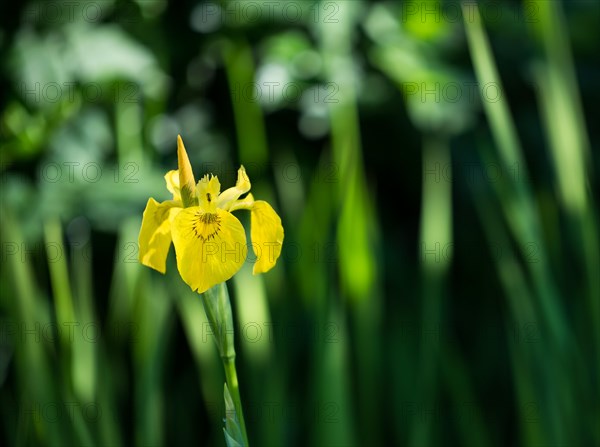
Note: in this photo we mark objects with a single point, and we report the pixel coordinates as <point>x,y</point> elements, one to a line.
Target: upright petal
<point>207,191</point>
<point>210,247</point>
<point>172,180</point>
<point>230,195</point>
<point>155,234</point>
<point>187,183</point>
<point>267,236</point>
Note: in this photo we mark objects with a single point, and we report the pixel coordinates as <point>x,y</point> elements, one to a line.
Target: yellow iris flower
<point>210,242</point>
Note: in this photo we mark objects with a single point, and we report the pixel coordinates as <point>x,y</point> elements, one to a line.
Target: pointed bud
<point>187,183</point>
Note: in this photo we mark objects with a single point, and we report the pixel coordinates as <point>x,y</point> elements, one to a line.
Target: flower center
<point>207,225</point>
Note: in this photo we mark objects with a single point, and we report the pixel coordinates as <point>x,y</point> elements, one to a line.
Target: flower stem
<point>218,311</point>
<point>234,389</point>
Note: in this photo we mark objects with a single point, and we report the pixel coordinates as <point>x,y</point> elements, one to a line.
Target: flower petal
<point>207,191</point>
<point>172,179</point>
<point>267,236</point>
<point>155,234</point>
<point>210,247</point>
<point>230,195</point>
<point>243,204</point>
<point>187,184</point>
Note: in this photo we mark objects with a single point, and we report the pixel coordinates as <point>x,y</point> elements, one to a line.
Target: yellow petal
<point>187,183</point>
<point>230,195</point>
<point>172,179</point>
<point>207,191</point>
<point>267,236</point>
<point>243,204</point>
<point>155,234</point>
<point>210,247</point>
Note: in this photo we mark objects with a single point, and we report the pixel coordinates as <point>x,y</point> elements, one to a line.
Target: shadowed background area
<point>436,171</point>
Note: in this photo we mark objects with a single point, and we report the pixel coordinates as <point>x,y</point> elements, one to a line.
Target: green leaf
<point>232,430</point>
<point>218,311</point>
<point>230,441</point>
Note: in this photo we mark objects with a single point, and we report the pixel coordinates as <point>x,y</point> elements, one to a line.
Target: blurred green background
<point>436,170</point>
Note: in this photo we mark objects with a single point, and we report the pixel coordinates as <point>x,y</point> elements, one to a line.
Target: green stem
<point>218,311</point>
<point>234,390</point>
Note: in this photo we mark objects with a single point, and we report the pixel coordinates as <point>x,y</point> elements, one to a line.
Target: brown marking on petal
<point>207,226</point>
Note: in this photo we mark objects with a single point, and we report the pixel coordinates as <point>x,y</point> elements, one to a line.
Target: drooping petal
<point>210,247</point>
<point>155,234</point>
<point>187,183</point>
<point>172,180</point>
<point>230,195</point>
<point>267,236</point>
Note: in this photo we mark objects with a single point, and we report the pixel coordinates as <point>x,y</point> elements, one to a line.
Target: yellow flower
<point>210,242</point>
